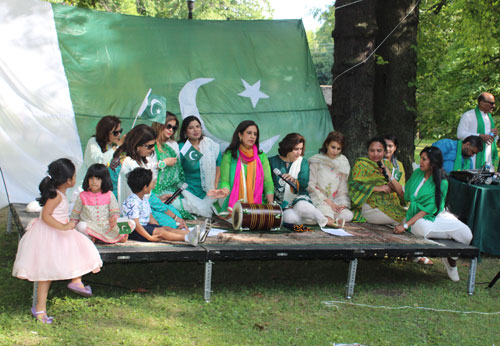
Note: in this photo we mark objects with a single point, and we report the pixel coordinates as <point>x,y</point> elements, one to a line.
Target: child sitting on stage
<point>96,209</point>
<point>136,207</point>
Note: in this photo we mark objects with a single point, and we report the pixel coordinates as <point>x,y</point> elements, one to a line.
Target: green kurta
<point>228,167</point>
<point>280,185</point>
<point>425,199</point>
<point>364,177</point>
<point>169,177</point>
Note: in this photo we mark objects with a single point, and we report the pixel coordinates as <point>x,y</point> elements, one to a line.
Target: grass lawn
<point>254,303</point>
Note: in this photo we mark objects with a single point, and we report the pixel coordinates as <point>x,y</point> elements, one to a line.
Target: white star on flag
<point>253,92</point>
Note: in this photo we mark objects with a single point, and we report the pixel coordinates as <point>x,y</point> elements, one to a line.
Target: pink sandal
<point>85,291</point>
<point>45,319</point>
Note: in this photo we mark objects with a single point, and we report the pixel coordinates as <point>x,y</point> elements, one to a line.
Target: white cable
<point>376,48</point>
<point>333,302</point>
<point>349,4</point>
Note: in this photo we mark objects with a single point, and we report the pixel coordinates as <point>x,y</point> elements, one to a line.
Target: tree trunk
<point>395,78</point>
<point>375,99</point>
<point>352,93</point>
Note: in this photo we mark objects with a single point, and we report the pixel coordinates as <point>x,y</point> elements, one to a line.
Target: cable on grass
<point>333,302</point>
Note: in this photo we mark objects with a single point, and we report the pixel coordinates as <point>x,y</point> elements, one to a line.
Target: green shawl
<point>364,177</point>
<point>460,161</point>
<point>481,156</point>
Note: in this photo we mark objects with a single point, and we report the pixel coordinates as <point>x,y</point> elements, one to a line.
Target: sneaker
<point>452,271</point>
<point>193,236</point>
<point>205,229</point>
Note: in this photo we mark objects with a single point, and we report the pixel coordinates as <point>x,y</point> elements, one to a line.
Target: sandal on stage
<point>338,223</point>
<point>205,230</point>
<point>423,261</point>
<point>44,319</point>
<point>85,291</point>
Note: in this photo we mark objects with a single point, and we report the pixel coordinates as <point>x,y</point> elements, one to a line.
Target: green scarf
<point>480,157</point>
<point>460,161</point>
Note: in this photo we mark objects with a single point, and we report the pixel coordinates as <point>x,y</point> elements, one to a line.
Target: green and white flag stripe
<point>68,65</point>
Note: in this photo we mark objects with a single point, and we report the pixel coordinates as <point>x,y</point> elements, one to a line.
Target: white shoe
<point>452,271</point>
<point>193,236</point>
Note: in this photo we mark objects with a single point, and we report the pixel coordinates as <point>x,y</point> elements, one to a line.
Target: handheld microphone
<point>176,193</point>
<point>383,171</point>
<point>278,173</point>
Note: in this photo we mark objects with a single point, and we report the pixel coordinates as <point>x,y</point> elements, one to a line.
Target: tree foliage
<point>204,9</point>
<point>321,44</point>
<point>458,58</point>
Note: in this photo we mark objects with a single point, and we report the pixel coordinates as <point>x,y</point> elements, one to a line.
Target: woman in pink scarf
<point>245,173</point>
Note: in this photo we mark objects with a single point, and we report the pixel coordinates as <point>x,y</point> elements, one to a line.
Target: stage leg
<point>351,278</point>
<point>208,280</point>
<point>495,279</point>
<point>9,220</point>
<point>472,276</point>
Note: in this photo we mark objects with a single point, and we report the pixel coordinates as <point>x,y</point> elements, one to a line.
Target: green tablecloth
<point>479,207</point>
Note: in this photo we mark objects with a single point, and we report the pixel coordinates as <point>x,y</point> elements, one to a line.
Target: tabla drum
<point>250,216</point>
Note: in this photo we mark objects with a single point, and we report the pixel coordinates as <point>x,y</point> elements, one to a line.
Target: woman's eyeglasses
<point>148,146</point>
<point>170,127</point>
<point>117,132</point>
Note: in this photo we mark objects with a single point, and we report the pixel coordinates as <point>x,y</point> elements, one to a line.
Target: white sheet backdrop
<point>37,122</point>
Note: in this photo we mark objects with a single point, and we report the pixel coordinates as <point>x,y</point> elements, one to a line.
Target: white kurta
<point>468,127</point>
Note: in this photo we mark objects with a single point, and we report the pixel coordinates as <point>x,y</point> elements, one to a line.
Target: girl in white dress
<point>51,249</point>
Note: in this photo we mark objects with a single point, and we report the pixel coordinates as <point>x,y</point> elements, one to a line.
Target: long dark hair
<point>184,126</point>
<point>436,160</point>
<point>58,173</point>
<point>136,137</point>
<point>100,171</point>
<point>103,128</point>
<point>235,142</point>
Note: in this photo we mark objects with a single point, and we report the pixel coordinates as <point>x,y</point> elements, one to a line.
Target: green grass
<point>254,303</point>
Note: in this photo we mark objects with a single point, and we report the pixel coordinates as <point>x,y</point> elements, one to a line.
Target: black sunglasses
<point>149,147</point>
<point>491,103</point>
<point>170,127</point>
<point>117,132</point>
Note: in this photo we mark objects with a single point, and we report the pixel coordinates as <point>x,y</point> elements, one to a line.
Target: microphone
<point>278,173</point>
<point>379,163</point>
<point>176,193</point>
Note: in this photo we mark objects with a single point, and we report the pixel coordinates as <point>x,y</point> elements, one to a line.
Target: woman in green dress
<point>167,171</point>
<point>373,198</point>
<point>427,217</point>
<point>200,159</point>
<point>245,174</point>
<point>291,166</point>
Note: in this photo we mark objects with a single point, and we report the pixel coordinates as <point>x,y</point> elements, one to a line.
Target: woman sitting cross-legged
<point>426,217</point>
<point>373,199</point>
<point>200,159</point>
<point>291,167</point>
<point>244,173</point>
<point>329,171</point>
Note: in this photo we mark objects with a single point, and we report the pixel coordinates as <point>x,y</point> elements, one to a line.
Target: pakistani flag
<point>190,153</point>
<point>63,68</point>
<point>154,108</point>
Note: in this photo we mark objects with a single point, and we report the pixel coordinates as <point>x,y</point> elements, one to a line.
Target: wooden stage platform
<point>368,242</point>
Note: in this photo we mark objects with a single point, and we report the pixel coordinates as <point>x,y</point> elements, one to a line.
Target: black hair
<point>377,139</point>
<point>289,143</point>
<point>139,178</point>
<point>103,128</point>
<point>59,172</point>
<point>138,136</point>
<point>100,171</point>
<point>235,142</point>
<point>393,139</point>
<point>184,126</point>
<point>436,161</point>
<point>474,141</point>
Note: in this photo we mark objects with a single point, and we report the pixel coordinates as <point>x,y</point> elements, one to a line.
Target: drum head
<point>237,216</point>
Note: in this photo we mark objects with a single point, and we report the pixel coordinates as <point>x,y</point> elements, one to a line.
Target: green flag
<point>222,71</point>
<point>156,108</point>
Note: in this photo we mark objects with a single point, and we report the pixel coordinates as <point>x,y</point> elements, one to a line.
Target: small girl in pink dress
<point>96,207</point>
<point>51,249</point>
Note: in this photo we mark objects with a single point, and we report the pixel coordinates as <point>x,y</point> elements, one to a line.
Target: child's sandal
<point>38,316</point>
